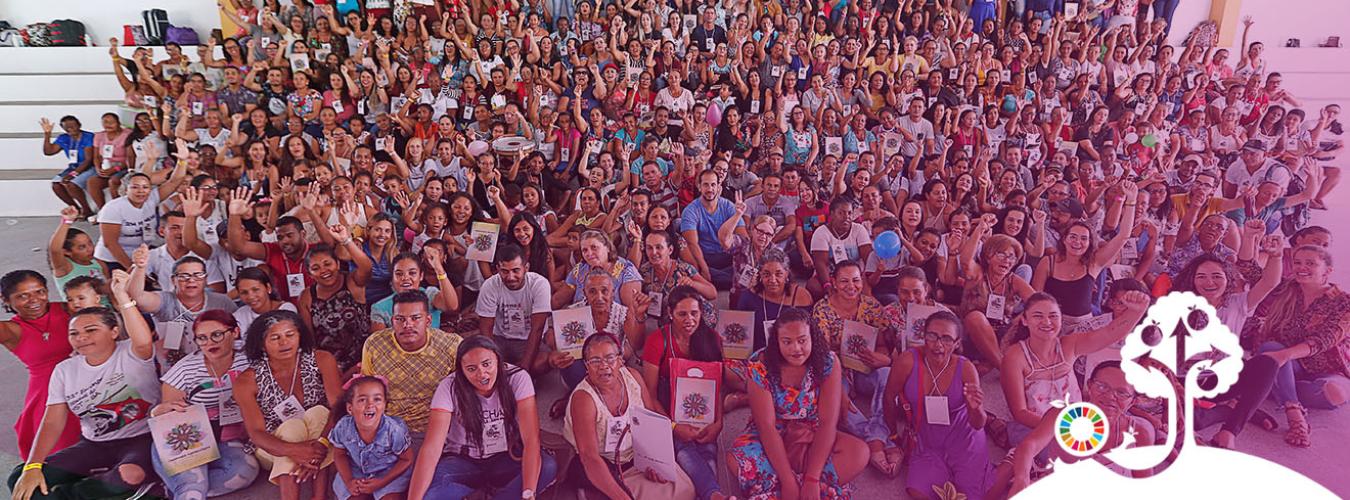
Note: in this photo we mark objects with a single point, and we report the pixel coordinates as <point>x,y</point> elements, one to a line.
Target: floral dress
<point>659,290</point>
<point>341,324</point>
<point>870,312</point>
<point>793,407</point>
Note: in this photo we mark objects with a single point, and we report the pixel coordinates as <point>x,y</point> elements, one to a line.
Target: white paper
<point>571,327</point>
<point>834,146</point>
<point>936,409</point>
<point>653,443</point>
<point>295,284</point>
<point>484,245</point>
<point>993,311</point>
<point>184,439</point>
<point>172,334</point>
<point>299,62</point>
<point>737,331</point>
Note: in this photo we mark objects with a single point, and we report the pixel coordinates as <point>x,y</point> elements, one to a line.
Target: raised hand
<point>340,233</point>
<point>1273,244</point>
<point>70,213</point>
<point>240,203</point>
<point>140,257</point>
<point>434,258</point>
<point>974,396</point>
<point>1136,303</point>
<point>46,125</point>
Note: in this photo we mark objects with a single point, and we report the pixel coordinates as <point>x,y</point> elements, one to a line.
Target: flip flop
<point>881,462</point>
<point>1265,420</point>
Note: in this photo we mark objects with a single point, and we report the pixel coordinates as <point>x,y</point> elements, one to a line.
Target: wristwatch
<point>527,495</point>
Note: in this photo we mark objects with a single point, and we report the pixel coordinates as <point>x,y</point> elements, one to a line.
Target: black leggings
<point>88,469</point>
<point>1250,390</point>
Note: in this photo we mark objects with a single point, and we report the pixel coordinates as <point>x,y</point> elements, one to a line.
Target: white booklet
<point>184,439</point>
<point>653,443</point>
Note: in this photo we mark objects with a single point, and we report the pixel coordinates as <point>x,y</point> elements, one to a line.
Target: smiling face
<point>89,336</point>
<point>848,282</point>
<point>366,404</point>
<point>29,299</point>
<point>594,252</point>
<point>1109,390</point>
<point>1042,318</point>
<point>1210,281</point>
<point>1311,267</point>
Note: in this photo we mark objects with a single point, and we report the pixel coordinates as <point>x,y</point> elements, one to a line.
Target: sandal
<point>1299,435</point>
<point>896,456</point>
<point>997,430</point>
<point>1317,205</point>
<point>882,463</point>
<point>556,411</point>
<point>1263,419</point>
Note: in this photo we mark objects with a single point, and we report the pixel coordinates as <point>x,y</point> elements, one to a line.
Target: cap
<point>1255,145</point>
<point>1195,158</point>
<point>1069,206</point>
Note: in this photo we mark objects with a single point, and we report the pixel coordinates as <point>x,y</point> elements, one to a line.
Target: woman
<point>525,232</point>
<point>1302,324</point>
<point>1072,272</point>
<point>746,253</point>
<point>608,317</point>
<point>109,385</point>
<point>204,378</point>
<point>254,286</point>
<point>129,221</point>
<point>285,422</point>
<point>794,449</point>
<point>109,158</point>
<point>687,337</point>
<point>597,425</point>
<point>992,294</point>
<point>502,450</point>
<point>597,252</point>
<point>661,273</point>
<point>1038,369</point>
<point>335,304</point>
<point>28,334</point>
<point>949,449</point>
<point>408,276</point>
<point>772,293</point>
<point>380,247</point>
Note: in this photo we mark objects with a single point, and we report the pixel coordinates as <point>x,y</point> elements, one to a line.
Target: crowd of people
<point>382,206</point>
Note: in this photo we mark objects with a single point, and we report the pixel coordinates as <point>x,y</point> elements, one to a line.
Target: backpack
<point>10,37</point>
<point>156,23</point>
<point>36,35</point>
<point>1295,217</point>
<point>134,35</point>
<point>67,33</point>
<point>182,36</point>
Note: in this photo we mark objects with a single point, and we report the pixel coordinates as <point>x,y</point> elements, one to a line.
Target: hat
<point>1069,206</point>
<point>1196,158</point>
<point>1255,145</point>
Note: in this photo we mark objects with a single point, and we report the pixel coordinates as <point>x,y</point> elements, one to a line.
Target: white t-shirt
<point>494,420</point>
<point>245,316</point>
<point>512,308</point>
<point>161,263</point>
<point>684,102</point>
<point>138,224</point>
<point>112,400</point>
<point>840,249</point>
<point>1273,171</point>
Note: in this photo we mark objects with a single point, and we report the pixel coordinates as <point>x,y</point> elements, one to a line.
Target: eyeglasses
<point>1100,387</point>
<point>199,275</point>
<point>941,339</point>
<point>215,336</point>
<point>211,187</point>
<point>762,232</point>
<point>597,362</point>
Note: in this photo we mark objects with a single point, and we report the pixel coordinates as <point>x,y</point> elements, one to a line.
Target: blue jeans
<point>871,387</point>
<point>719,266</point>
<point>457,477</point>
<point>1294,384</point>
<point>233,471</point>
<point>699,461</point>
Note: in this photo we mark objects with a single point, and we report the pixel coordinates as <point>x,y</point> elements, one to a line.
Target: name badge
<point>658,300</point>
<point>494,437</point>
<point>614,427</point>
<point>229,411</point>
<point>149,101</point>
<point>708,43</point>
<point>197,108</point>
<point>295,284</point>
<point>1131,249</point>
<point>337,106</point>
<point>747,277</point>
<point>935,409</point>
<point>801,73</point>
<point>290,408</point>
<point>172,335</point>
<point>361,107</point>
<point>107,150</point>
<point>838,253</point>
<point>994,310</point>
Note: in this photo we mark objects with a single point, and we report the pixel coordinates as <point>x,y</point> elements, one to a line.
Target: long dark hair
<point>820,350</point>
<point>704,345</point>
<point>257,332</point>
<point>538,247</point>
<point>1020,331</point>
<point>466,397</point>
<point>11,281</point>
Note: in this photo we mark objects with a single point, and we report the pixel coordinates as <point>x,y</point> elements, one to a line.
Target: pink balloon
<point>714,115</point>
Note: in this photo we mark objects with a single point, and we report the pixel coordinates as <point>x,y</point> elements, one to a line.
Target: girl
<point>71,252</point>
<point>109,385</point>
<point>794,449</point>
<point>204,378</point>
<point>463,452</point>
<point>372,451</point>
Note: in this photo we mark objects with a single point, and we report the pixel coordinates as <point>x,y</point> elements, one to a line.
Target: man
<point>413,357</point>
<point>173,312</point>
<point>916,130</point>
<point>740,178</point>
<point>513,307</point>
<point>1254,167</point>
<point>407,275</point>
<point>164,259</point>
<point>708,34</point>
<point>699,224</point>
<point>285,258</point>
<point>771,202</point>
<point>841,239</point>
<point>234,98</point>
<point>663,190</point>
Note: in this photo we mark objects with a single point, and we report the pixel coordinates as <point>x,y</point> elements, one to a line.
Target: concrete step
<point>72,60</point>
<point>28,193</point>
<point>24,116</point>
<point>102,86</point>
<point>24,151</point>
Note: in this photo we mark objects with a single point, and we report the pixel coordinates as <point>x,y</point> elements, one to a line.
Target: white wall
<point>1312,21</point>
<point>104,18</point>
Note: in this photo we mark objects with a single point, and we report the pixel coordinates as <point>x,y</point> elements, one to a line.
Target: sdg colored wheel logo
<point>1082,429</point>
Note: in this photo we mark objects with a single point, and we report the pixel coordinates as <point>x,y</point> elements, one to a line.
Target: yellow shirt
<point>413,376</point>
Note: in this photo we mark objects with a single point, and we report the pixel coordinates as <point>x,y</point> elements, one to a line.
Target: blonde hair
<point>1281,310</point>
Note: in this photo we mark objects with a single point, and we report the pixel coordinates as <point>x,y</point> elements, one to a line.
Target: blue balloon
<point>887,245</point>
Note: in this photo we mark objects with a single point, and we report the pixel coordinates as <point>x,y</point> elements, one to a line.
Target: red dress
<point>41,355</point>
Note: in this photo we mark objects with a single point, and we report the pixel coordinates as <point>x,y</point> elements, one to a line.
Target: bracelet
<point>442,277</point>
<point>1132,204</point>
<point>130,304</point>
<point>324,441</point>
<point>66,221</point>
<point>30,466</point>
<point>348,241</point>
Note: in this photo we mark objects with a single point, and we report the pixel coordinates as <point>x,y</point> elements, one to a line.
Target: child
<point>357,439</point>
<point>71,252</point>
<point>85,291</point>
<point>883,275</point>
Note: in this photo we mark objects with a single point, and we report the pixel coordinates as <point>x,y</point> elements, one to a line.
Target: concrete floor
<point>1324,462</point>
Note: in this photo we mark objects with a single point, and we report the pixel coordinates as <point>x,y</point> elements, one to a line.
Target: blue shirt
<point>695,217</point>
<point>75,150</point>
<point>383,311</point>
<point>374,458</point>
